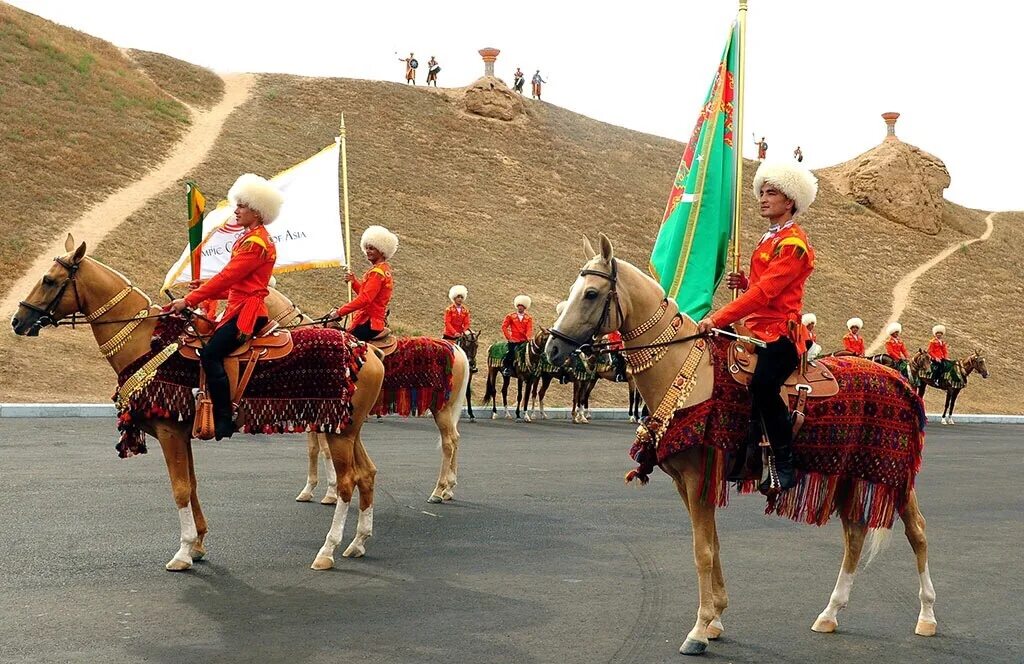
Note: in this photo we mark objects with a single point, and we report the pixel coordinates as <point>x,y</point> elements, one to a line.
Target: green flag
<point>196,212</point>
<point>690,254</point>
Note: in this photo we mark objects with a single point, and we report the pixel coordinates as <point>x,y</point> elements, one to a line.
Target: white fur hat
<point>380,239</point>
<point>560,307</point>
<point>809,319</point>
<point>939,328</point>
<point>893,329</point>
<point>523,300</point>
<point>797,183</point>
<point>456,291</point>
<point>854,322</point>
<point>259,194</point>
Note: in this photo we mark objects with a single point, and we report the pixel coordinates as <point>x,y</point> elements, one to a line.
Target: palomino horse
<point>445,409</point>
<point>125,322</point>
<point>611,294</point>
<point>962,368</point>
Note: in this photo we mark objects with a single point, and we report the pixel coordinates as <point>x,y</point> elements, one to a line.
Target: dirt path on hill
<point>901,292</point>
<point>109,213</point>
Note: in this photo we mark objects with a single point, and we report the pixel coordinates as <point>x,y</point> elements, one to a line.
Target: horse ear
<point>588,250</point>
<point>69,243</point>
<point>606,248</point>
<point>79,253</point>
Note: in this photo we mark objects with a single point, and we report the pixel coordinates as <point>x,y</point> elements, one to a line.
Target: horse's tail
<point>491,392</point>
<point>876,541</point>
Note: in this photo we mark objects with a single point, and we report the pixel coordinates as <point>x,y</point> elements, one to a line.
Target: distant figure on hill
<point>852,341</point>
<point>411,64</point>
<point>433,69</point>
<point>519,79</point>
<point>798,154</point>
<point>762,148</point>
<point>537,82</point>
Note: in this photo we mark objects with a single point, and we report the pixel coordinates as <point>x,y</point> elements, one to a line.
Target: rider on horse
<point>518,329</point>
<point>938,350</point>
<point>852,341</point>
<point>813,349</point>
<point>771,304</point>
<point>244,280</point>
<point>375,288</point>
<point>456,316</point>
<point>896,349</point>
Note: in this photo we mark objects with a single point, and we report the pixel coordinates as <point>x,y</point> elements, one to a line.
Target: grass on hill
<point>189,83</point>
<point>77,121</point>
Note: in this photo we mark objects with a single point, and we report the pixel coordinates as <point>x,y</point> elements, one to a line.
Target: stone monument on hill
<point>489,96</point>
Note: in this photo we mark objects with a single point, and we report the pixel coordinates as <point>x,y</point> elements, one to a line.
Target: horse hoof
<point>692,647</point>
<point>925,628</point>
<point>544,416</point>
<point>329,500</point>
<point>198,552</point>
<point>825,625</point>
<point>178,565</point>
<point>355,550</point>
<point>632,418</point>
<point>508,416</point>
<point>526,418</point>
<point>715,629</point>
<point>434,498</point>
<point>304,497</point>
<point>448,496</point>
<point>494,416</point>
<point>322,563</point>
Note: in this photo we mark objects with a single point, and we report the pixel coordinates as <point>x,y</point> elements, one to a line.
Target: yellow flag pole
<point>344,198</point>
<point>737,211</point>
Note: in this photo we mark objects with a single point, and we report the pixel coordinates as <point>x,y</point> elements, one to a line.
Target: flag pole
<point>737,210</point>
<point>344,198</point>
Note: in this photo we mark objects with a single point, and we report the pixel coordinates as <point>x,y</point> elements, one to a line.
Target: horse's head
<point>469,342</point>
<point>977,363</point>
<point>593,307</point>
<point>921,363</point>
<point>54,296</point>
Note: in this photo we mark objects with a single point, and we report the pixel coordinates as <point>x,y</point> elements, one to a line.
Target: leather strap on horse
<point>254,356</point>
<point>649,433</point>
<point>799,414</point>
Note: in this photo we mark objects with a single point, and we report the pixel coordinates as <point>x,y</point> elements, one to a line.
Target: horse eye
<point>591,294</point>
<point>48,281</point>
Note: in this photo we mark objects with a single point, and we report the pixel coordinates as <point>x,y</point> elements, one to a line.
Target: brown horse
<point>77,284</point>
<point>544,373</point>
<point>951,384</point>
<point>446,413</point>
<point>523,373</point>
<point>606,371</point>
<point>611,294</point>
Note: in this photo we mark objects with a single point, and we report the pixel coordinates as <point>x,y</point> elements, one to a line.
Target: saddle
<point>809,380</point>
<point>272,342</point>
<point>386,342</point>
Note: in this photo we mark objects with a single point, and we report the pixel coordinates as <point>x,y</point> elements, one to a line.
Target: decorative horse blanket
<point>417,377</point>
<point>309,390</point>
<point>863,444</point>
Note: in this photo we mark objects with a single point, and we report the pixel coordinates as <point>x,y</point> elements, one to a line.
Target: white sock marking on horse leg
<point>927,596</point>
<point>189,534</point>
<point>840,596</point>
<point>364,531</point>
<point>335,533</point>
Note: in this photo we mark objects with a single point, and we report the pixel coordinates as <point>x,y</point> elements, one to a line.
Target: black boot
<point>780,434</point>
<point>223,417</point>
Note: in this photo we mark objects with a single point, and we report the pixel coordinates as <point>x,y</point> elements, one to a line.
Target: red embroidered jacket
<point>854,344</point>
<point>938,349</point>
<point>516,330</point>
<point>896,349</point>
<point>774,297</point>
<point>244,280</point>
<point>374,294</point>
<point>456,320</point>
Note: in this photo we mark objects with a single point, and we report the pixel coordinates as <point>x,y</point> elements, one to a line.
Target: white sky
<point>819,72</point>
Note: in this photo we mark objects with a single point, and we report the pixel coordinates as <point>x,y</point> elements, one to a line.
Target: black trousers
<point>364,332</point>
<point>224,340</point>
<point>774,365</point>
<point>510,356</point>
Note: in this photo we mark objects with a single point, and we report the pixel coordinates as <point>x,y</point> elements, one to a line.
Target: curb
<point>108,410</point>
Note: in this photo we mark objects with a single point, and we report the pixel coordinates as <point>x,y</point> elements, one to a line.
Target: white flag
<point>307,232</point>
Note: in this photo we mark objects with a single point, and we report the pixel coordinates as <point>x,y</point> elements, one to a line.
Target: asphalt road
<point>545,556</point>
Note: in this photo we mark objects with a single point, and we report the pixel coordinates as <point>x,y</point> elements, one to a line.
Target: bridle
<point>48,313</point>
<point>612,297</point>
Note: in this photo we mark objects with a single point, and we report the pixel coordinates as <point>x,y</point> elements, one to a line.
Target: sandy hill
<point>500,206</point>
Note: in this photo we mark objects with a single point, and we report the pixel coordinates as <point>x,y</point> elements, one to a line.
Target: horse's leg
<point>469,399</point>
<point>913,523</point>
<point>921,388</point>
<point>951,396</point>
<point>853,542</point>
<point>174,442</point>
<point>448,445</point>
<point>353,467</point>
<point>331,497</point>
<point>720,598</point>
<point>198,549</point>
<point>504,396</point>
<point>545,383</point>
<point>312,465</point>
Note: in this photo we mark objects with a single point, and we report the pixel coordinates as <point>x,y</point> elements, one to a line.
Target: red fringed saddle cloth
<point>863,445</point>
<point>417,377</point>
<point>309,390</point>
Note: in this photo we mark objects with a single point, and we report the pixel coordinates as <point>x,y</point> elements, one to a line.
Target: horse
<point>469,342</point>
<point>902,367</point>
<point>706,415</point>
<point>578,375</point>
<point>605,370</point>
<point>76,283</point>
<point>523,372</point>
<point>445,406</point>
<point>953,382</point>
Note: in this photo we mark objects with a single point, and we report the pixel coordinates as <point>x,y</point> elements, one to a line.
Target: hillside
<point>77,121</point>
<point>500,207</point>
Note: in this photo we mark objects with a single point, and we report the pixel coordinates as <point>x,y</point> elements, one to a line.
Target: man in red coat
<point>852,341</point>
<point>456,316</point>
<point>771,305</point>
<point>244,280</point>
<point>373,291</point>
<point>938,350</point>
<point>518,329</point>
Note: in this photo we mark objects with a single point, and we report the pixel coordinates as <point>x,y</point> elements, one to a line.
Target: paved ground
<point>545,557</point>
